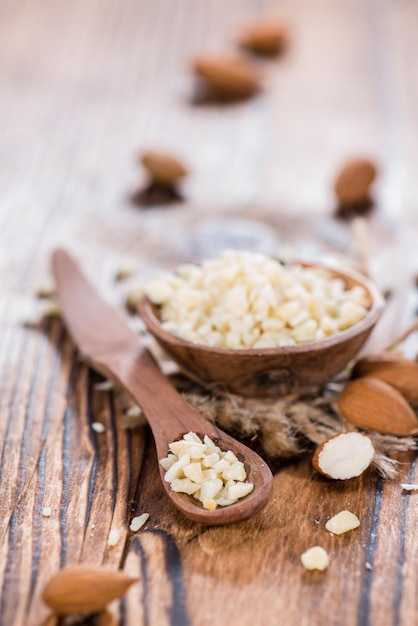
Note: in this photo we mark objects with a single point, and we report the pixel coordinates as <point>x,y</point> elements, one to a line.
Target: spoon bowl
<point>269,372</point>
<point>116,351</point>
<point>257,471</point>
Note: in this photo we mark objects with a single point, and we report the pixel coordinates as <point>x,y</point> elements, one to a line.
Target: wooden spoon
<point>116,351</point>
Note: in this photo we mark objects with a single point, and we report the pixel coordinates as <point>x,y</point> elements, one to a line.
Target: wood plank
<point>84,87</point>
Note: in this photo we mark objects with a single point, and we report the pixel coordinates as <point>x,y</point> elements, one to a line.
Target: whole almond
<point>395,370</point>
<point>352,185</point>
<point>267,38</point>
<point>344,456</point>
<point>163,168</point>
<point>372,403</point>
<point>228,77</point>
<point>84,589</point>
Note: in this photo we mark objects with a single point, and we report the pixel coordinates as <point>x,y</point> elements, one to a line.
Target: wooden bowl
<point>269,372</point>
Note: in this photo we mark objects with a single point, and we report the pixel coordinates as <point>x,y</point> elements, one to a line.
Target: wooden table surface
<point>86,85</point>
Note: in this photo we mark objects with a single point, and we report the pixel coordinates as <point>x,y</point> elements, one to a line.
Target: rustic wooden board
<point>84,86</point>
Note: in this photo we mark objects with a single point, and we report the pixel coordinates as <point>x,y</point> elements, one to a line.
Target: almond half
<point>395,370</point>
<point>163,168</point>
<point>228,77</point>
<point>352,185</point>
<point>344,456</point>
<point>267,38</point>
<point>372,403</point>
<point>84,589</point>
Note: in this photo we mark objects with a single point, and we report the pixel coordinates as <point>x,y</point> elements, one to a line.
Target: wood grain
<point>84,87</point>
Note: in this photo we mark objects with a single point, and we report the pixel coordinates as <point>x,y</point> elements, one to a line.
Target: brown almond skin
<point>84,589</point>
<point>163,168</point>
<point>266,38</point>
<point>395,370</point>
<point>352,184</point>
<point>228,77</point>
<point>371,403</point>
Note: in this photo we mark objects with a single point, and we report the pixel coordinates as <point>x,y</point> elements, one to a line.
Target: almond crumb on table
<point>52,310</point>
<point>134,411</point>
<point>124,270</point>
<point>45,290</point>
<point>98,427</point>
<point>315,558</point>
<point>105,385</point>
<point>342,522</point>
<point>138,522</point>
<point>114,537</point>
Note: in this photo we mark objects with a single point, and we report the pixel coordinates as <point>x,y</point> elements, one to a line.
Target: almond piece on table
<point>46,290</point>
<point>352,185</point>
<point>342,522</point>
<point>393,369</point>
<point>372,403</point>
<point>266,37</point>
<point>84,589</point>
<point>344,456</point>
<point>228,77</point>
<point>316,558</point>
<point>409,486</point>
<point>163,168</point>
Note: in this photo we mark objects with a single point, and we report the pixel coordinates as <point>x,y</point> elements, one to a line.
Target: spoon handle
<point>113,348</point>
<point>168,414</point>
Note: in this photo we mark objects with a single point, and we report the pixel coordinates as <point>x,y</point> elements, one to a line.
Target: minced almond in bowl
<point>250,324</point>
<point>246,300</point>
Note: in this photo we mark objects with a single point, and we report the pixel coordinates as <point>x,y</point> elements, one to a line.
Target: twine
<point>287,428</point>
